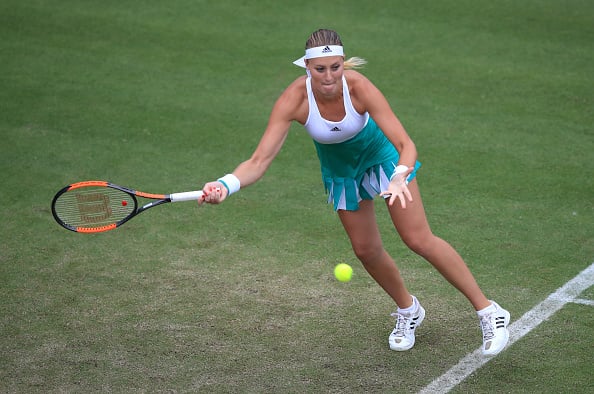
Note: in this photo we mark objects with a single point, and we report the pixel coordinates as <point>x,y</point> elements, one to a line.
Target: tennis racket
<point>97,206</point>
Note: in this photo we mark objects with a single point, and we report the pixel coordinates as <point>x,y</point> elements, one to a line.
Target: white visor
<point>323,51</point>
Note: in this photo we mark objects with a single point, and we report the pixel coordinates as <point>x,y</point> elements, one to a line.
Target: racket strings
<point>94,207</point>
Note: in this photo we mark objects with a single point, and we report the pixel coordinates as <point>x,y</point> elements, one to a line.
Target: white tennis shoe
<point>495,332</point>
<point>403,335</point>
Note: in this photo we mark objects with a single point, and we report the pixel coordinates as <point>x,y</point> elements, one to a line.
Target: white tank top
<point>329,132</point>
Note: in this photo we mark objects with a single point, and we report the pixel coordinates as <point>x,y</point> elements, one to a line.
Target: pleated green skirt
<point>359,168</point>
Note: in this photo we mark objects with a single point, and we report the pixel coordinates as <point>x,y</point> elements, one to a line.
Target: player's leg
<point>363,232</point>
<point>412,226</point>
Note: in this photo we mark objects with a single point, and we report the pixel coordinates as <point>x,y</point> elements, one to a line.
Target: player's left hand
<point>398,188</point>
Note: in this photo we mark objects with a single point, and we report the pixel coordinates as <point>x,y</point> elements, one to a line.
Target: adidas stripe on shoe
<point>403,335</point>
<point>495,332</point>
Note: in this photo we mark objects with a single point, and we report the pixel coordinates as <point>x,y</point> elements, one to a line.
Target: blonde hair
<point>323,37</point>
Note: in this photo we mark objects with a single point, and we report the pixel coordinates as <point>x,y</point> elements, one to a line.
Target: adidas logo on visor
<point>326,49</point>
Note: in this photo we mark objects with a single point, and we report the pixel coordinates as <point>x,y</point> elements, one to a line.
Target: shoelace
<point>401,324</point>
<point>488,328</point>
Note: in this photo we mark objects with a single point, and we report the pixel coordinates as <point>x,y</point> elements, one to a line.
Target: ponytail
<point>354,62</point>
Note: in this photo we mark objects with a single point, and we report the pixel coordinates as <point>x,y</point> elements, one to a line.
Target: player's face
<point>326,74</point>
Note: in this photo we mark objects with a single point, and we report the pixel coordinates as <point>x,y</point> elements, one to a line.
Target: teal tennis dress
<point>356,158</point>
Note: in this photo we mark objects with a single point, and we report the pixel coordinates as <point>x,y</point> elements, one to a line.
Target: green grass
<point>163,96</point>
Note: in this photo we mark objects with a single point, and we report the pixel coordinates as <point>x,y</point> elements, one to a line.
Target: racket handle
<point>185,196</point>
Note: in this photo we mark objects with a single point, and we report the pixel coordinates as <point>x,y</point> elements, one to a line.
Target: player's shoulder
<point>355,78</point>
<point>298,85</point>
<point>296,91</point>
<point>292,100</point>
<point>359,84</point>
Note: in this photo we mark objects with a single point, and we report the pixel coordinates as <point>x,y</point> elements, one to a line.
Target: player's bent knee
<point>367,253</point>
<point>420,244</point>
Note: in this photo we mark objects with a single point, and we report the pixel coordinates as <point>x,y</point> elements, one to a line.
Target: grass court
<point>164,96</point>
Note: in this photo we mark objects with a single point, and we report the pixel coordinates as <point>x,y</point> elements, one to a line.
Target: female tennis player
<point>364,152</point>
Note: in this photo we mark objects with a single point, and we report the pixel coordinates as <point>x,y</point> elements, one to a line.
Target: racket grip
<point>185,196</point>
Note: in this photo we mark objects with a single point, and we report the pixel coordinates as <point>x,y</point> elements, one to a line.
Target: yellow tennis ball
<point>343,272</point>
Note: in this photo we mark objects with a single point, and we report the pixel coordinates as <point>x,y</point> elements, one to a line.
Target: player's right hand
<point>213,193</point>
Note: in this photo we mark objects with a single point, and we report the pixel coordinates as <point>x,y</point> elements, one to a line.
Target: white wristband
<point>400,169</point>
<point>231,182</point>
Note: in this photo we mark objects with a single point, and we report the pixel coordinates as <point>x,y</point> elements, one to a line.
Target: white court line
<point>541,312</point>
<point>584,302</point>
